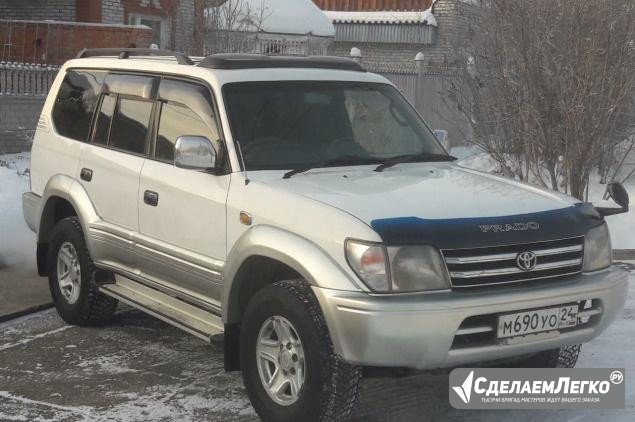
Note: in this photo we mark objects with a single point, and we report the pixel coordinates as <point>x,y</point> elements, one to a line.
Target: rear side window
<point>130,125</point>
<point>104,118</point>
<point>75,103</point>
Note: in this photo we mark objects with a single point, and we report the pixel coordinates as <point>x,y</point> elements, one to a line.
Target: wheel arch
<point>268,251</point>
<point>63,197</point>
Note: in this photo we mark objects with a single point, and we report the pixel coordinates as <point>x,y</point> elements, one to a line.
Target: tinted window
<point>284,125</point>
<point>104,117</point>
<point>177,120</point>
<point>75,103</point>
<point>186,110</point>
<point>130,125</point>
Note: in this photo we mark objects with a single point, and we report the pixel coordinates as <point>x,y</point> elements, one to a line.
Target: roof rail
<point>253,61</point>
<point>124,53</point>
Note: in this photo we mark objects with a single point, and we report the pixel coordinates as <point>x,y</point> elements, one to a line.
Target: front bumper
<point>420,330</point>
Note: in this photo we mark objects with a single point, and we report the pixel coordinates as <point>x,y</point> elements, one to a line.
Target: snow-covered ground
<point>17,242</point>
<point>621,226</point>
<point>139,369</point>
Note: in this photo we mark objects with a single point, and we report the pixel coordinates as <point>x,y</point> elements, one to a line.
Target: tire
<point>81,303</point>
<point>330,387</point>
<point>564,357</point>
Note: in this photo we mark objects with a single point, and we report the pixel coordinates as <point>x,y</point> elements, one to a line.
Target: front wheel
<point>290,370</point>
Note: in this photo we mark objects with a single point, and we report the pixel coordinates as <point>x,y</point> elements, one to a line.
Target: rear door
<point>182,216</point>
<point>111,163</point>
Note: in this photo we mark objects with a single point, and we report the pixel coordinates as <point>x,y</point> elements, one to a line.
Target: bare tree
<point>548,86</point>
<point>227,24</point>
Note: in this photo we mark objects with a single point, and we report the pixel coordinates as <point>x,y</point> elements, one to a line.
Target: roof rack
<point>252,61</point>
<point>124,53</point>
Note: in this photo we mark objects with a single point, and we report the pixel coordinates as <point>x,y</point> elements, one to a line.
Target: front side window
<point>75,103</point>
<point>130,123</point>
<point>286,125</point>
<point>186,110</point>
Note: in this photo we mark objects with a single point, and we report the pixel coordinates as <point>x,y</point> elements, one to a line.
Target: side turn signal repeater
<point>245,218</point>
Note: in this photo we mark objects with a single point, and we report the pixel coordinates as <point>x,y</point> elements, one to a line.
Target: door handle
<point>86,174</point>
<point>151,198</point>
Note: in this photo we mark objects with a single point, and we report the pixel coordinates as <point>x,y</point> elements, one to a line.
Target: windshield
<point>290,125</point>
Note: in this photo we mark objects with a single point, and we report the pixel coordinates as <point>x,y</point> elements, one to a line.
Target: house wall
<point>112,11</point>
<point>437,53</point>
<point>357,5</point>
<point>59,10</point>
<point>54,43</point>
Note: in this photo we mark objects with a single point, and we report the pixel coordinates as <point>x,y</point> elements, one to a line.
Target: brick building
<point>171,23</point>
<point>392,32</point>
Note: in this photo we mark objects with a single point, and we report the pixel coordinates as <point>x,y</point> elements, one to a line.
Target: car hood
<point>429,190</point>
<point>405,201</point>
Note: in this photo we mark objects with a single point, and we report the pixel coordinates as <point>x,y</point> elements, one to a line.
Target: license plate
<point>536,321</point>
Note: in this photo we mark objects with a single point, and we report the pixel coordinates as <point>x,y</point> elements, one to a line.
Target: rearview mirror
<point>442,137</point>
<point>195,153</point>
<point>617,192</point>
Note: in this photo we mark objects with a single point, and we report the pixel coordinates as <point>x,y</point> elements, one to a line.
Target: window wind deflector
<point>347,160</point>
<point>421,157</point>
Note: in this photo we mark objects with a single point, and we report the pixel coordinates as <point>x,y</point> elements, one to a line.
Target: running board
<point>189,318</point>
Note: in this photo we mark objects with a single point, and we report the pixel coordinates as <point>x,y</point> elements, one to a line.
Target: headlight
<point>397,269</point>
<point>417,268</point>
<point>597,248</point>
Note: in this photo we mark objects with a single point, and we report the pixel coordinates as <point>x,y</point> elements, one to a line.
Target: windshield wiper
<point>345,160</point>
<point>423,156</point>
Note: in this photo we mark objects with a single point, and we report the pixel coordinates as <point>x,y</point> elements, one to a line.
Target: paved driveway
<point>140,369</point>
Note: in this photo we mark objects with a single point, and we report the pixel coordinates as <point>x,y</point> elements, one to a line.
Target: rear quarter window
<point>75,103</point>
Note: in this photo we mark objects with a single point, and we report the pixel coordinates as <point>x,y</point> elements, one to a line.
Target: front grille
<point>495,265</point>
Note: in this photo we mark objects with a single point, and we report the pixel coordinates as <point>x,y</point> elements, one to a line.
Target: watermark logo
<point>465,390</point>
<point>617,377</point>
<point>537,388</point>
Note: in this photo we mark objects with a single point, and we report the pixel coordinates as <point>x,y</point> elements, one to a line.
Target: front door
<point>182,215</point>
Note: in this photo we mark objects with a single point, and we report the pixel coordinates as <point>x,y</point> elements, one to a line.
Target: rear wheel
<point>290,370</point>
<point>71,277</point>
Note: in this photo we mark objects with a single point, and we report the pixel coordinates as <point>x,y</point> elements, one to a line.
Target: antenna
<point>242,159</point>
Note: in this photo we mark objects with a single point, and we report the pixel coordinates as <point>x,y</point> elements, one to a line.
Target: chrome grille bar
<point>496,265</point>
<point>511,255</point>
<point>514,270</point>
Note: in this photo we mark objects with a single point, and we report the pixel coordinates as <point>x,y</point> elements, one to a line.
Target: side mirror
<point>617,192</point>
<point>442,137</point>
<point>195,153</point>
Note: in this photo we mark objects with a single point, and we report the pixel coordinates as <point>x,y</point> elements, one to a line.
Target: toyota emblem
<point>526,261</point>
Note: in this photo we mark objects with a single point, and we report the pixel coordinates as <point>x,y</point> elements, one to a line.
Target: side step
<point>194,320</point>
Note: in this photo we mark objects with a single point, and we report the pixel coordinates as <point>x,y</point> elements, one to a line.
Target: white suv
<point>301,207</point>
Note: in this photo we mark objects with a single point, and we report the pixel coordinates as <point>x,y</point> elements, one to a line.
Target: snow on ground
<point>138,369</point>
<point>17,242</point>
<point>621,226</point>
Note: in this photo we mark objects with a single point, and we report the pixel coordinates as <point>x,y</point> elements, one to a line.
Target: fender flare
<point>302,255</point>
<point>67,188</point>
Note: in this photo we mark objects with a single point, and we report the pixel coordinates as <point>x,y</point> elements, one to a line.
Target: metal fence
<point>23,90</point>
<point>26,78</point>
